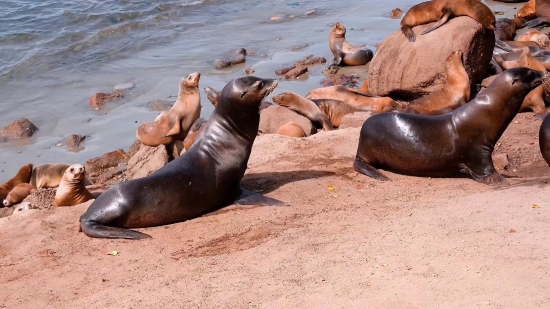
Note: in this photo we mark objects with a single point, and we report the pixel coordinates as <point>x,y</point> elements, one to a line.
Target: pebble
<point>125,86</point>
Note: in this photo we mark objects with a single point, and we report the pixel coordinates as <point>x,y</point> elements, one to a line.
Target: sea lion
<point>527,11</point>
<point>455,92</point>
<point>214,95</point>
<point>544,139</point>
<point>535,36</point>
<point>47,175</point>
<point>335,110</point>
<point>364,88</point>
<point>357,99</point>
<point>175,124</point>
<point>203,179</point>
<point>506,28</point>
<point>440,11</point>
<point>72,190</point>
<point>542,10</point>
<point>193,133</point>
<point>345,53</point>
<point>18,194</point>
<point>444,145</point>
<point>291,129</point>
<point>304,107</point>
<point>22,176</point>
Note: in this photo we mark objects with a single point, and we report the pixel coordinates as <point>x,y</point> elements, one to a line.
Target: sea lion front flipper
<point>502,45</point>
<point>252,198</point>
<point>171,125</point>
<point>537,22</point>
<point>96,230</point>
<point>442,20</point>
<point>364,168</point>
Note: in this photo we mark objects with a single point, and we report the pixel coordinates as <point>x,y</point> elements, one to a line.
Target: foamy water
<point>55,54</point>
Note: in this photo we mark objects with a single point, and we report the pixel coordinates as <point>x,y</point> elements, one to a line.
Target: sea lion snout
<point>6,203</point>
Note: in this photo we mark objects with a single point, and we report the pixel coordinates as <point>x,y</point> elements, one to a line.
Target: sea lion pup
<point>544,139</point>
<point>455,92</point>
<point>542,11</point>
<point>291,129</point>
<point>345,53</point>
<point>203,179</point>
<point>527,11</point>
<point>214,95</point>
<point>440,11</point>
<point>535,36</point>
<point>304,107</point>
<point>48,175</point>
<point>18,194</point>
<point>357,99</point>
<point>71,190</point>
<point>335,110</point>
<point>444,145</point>
<point>175,124</point>
<point>22,176</point>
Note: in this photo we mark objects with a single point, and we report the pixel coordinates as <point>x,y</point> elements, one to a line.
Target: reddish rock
<point>134,148</point>
<point>97,100</point>
<point>97,166</point>
<point>273,117</point>
<point>146,161</point>
<point>404,70</point>
<point>307,61</point>
<point>74,141</point>
<point>296,72</point>
<point>17,129</point>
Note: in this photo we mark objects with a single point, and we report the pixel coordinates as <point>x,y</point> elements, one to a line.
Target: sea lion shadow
<point>539,182</point>
<point>271,181</point>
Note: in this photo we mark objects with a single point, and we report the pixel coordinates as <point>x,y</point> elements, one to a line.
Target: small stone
<point>249,71</point>
<point>395,13</point>
<point>230,58</point>
<point>60,145</point>
<point>97,100</point>
<point>74,141</point>
<point>125,86</point>
<point>296,72</point>
<point>277,18</point>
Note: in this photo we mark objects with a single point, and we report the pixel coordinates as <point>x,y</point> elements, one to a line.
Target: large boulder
<point>404,70</point>
<point>146,161</point>
<point>275,116</point>
<point>17,129</point>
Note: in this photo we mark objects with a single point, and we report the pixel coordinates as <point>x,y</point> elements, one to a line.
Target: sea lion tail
<point>364,168</point>
<point>96,230</point>
<point>252,198</point>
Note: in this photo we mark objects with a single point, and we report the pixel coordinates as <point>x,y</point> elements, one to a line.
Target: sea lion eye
<point>243,94</point>
<point>72,169</point>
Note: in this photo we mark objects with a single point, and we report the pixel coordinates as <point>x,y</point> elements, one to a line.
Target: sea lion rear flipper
<point>502,45</point>
<point>409,33</point>
<point>94,229</point>
<point>442,20</point>
<point>170,125</point>
<point>252,198</point>
<point>363,168</point>
<point>537,22</point>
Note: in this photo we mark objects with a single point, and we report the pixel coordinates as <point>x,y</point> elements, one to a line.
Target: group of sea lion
<point>439,135</point>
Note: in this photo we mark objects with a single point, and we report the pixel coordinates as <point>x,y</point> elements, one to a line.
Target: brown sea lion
<point>441,10</point>
<point>444,145</point>
<point>335,110</point>
<point>72,190</point>
<point>18,194</point>
<point>544,139</point>
<point>526,59</point>
<point>506,28</point>
<point>205,178</point>
<point>193,133</point>
<point>175,124</point>
<point>304,107</point>
<point>357,99</point>
<point>22,176</point>
<point>527,11</point>
<point>542,10</point>
<point>535,36</point>
<point>48,175</point>
<point>364,86</point>
<point>455,92</point>
<point>345,53</point>
<point>291,129</point>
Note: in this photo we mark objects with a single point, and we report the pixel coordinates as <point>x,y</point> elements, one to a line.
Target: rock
<point>146,161</point>
<point>97,100</point>
<point>17,129</point>
<point>38,199</point>
<point>395,13</point>
<point>500,161</point>
<point>134,148</point>
<point>249,71</point>
<point>340,80</point>
<point>291,129</point>
<point>405,71</point>
<point>307,61</point>
<point>354,120</point>
<point>160,105</point>
<point>296,72</point>
<point>273,117</point>
<point>7,211</point>
<point>124,86</point>
<point>230,58</point>
<point>74,141</point>
<point>97,166</point>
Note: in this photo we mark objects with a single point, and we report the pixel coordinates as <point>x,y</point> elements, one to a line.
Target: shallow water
<point>55,54</point>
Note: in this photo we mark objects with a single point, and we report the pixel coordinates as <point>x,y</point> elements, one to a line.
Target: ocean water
<point>55,54</point>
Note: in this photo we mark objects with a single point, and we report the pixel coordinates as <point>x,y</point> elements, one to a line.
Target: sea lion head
<point>339,29</point>
<point>191,80</point>
<point>246,92</point>
<point>486,17</point>
<point>212,95</point>
<point>75,174</point>
<point>520,81</point>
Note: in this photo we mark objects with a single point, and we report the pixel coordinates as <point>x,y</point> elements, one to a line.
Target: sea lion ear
<point>243,93</point>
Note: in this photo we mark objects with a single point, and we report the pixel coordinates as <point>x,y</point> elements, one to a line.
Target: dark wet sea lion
<point>22,176</point>
<point>174,124</point>
<point>345,53</point>
<point>455,92</point>
<point>203,179</point>
<point>542,10</point>
<point>214,95</point>
<point>544,139</point>
<point>444,145</point>
<point>440,11</point>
